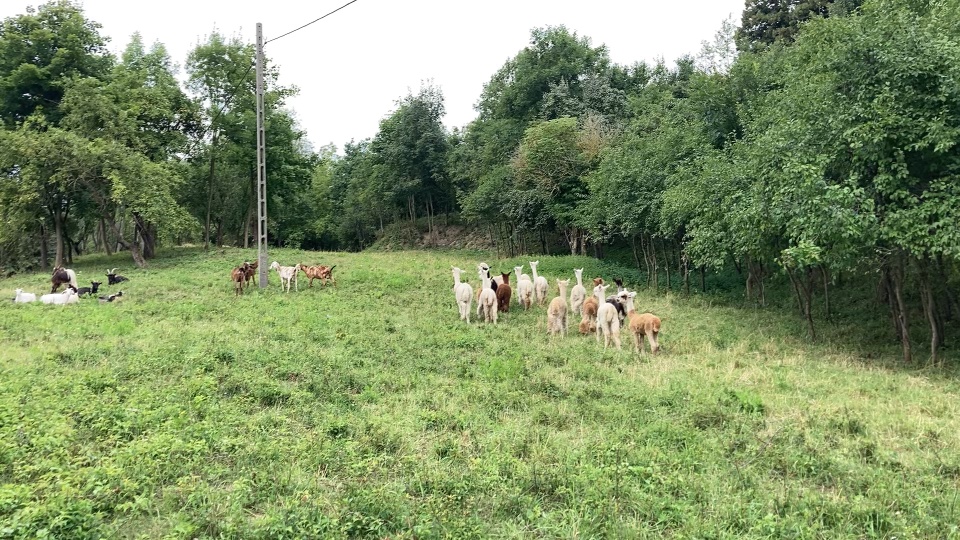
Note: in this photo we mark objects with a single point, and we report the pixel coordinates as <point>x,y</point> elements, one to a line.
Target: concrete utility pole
<point>261,169</point>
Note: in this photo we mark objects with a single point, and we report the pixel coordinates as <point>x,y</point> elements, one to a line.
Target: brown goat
<point>319,271</point>
<point>504,293</point>
<point>62,276</point>
<point>249,272</point>
<point>239,275</point>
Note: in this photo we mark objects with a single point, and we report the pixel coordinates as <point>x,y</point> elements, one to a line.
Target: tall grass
<point>370,410</point>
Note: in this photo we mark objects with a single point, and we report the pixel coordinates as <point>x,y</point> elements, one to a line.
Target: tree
<point>765,22</point>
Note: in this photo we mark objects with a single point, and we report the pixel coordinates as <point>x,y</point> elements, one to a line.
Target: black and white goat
<point>113,278</point>
<point>91,290</point>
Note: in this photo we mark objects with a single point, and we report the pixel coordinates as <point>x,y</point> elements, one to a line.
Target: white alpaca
<point>518,271</point>
<point>578,294</point>
<point>557,312</point>
<point>464,294</point>
<point>540,285</point>
<point>608,321</point>
<point>487,303</point>
<point>24,297</point>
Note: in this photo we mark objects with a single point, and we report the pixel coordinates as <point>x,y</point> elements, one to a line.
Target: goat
<point>286,274</point>
<point>91,290</point>
<point>557,311</point>
<point>646,324</point>
<point>113,278</point>
<point>463,292</point>
<point>540,285</point>
<point>62,276</point>
<point>326,274</point>
<point>238,276</point>
<point>504,293</point>
<point>312,272</point>
<point>24,297</point>
<point>111,297</point>
<point>487,302</point>
<point>68,296</point>
<point>578,294</point>
<point>249,272</point>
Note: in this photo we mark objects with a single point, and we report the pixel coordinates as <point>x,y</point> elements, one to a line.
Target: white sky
<point>352,66</point>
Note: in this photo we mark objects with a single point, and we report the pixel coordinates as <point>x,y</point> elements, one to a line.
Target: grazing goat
<point>487,302</point>
<point>286,274</point>
<point>321,272</point>
<point>557,311</point>
<point>238,276</point>
<point>249,272</point>
<point>24,297</point>
<point>62,276</point>
<point>113,278</point>
<point>540,285</point>
<point>326,274</point>
<point>646,324</point>
<point>111,297</point>
<point>68,296</point>
<point>463,292</point>
<point>91,290</point>
<point>578,294</point>
<point>504,293</point>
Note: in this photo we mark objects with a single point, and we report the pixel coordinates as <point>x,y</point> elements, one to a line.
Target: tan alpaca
<point>608,320</point>
<point>646,324</point>
<point>557,312</point>
<point>487,303</point>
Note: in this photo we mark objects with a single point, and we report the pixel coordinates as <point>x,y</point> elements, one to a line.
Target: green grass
<point>369,411</point>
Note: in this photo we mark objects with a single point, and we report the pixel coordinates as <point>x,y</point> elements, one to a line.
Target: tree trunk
<point>666,259</point>
<point>132,246</point>
<point>803,286</point>
<point>44,256</point>
<point>58,238</point>
<point>206,228</point>
<point>142,229</point>
<point>686,273</point>
<point>898,307</point>
<point>826,289</point>
<point>656,264</point>
<point>930,310</point>
<point>703,279</point>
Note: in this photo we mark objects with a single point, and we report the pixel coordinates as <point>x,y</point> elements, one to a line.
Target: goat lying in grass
<point>24,297</point>
<point>646,324</point>
<point>111,297</point>
<point>62,276</point>
<point>463,292</point>
<point>91,290</point>
<point>113,278</point>
<point>286,274</point>
<point>68,296</point>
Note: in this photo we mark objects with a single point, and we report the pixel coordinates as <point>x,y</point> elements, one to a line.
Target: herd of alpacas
<point>599,314</point>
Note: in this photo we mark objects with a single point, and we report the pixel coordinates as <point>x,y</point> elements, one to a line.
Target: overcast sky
<point>352,66</point>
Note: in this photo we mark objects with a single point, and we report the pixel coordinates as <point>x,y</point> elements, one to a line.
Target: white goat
<point>25,297</point>
<point>487,303</point>
<point>286,274</point>
<point>68,296</point>
<point>540,285</point>
<point>464,294</point>
<point>578,294</point>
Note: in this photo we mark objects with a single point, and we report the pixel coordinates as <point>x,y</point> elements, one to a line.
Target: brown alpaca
<point>504,293</point>
<point>587,327</point>
<point>645,324</point>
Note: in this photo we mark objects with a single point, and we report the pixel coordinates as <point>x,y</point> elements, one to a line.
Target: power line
<point>311,22</point>
<point>236,88</point>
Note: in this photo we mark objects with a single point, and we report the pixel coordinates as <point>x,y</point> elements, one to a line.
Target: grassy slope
<point>369,410</point>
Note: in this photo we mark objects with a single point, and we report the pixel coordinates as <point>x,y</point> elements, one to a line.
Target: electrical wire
<point>311,22</point>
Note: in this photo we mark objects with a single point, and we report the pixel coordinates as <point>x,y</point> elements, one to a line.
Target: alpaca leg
<point>637,343</point>
<point>654,343</point>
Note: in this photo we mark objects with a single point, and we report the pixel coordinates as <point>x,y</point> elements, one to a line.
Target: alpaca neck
<point>579,281</point>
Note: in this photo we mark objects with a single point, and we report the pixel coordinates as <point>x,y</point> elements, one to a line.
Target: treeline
<point>817,141</point>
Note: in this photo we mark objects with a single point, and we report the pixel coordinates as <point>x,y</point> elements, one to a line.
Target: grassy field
<point>369,411</point>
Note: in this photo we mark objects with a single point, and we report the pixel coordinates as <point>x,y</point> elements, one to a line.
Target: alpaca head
<point>506,277</point>
<point>579,273</point>
<point>597,281</point>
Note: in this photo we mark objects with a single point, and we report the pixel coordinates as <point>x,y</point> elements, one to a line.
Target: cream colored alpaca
<point>518,271</point>
<point>463,293</point>
<point>578,294</point>
<point>608,321</point>
<point>557,312</point>
<point>540,285</point>
<point>487,303</point>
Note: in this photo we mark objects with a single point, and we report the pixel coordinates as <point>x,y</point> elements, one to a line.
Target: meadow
<point>368,410</point>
